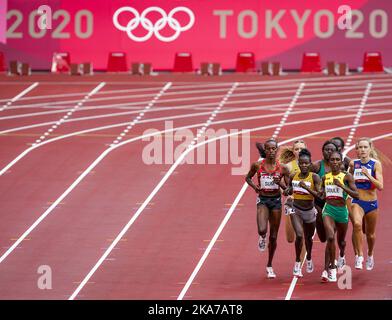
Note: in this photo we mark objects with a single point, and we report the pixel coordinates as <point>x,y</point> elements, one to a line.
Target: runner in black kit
<point>269,204</point>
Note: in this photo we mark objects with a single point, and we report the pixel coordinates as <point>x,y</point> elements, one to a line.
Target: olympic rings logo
<point>167,19</point>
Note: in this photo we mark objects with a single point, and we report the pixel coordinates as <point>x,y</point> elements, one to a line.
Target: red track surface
<point>158,253</point>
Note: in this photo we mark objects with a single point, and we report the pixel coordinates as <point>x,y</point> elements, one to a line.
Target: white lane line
<point>212,243</point>
<point>232,208</point>
<point>65,95</point>
<point>214,114</point>
<point>198,97</point>
<point>165,178</point>
<point>359,114</point>
<point>288,111</point>
<point>141,113</point>
<point>69,113</point>
<point>103,155</point>
<point>184,116</point>
<point>236,200</point>
<point>20,95</point>
<point>345,152</point>
<point>145,203</point>
<point>22,155</point>
<point>266,90</point>
<point>228,109</point>
<point>137,104</point>
<point>196,93</point>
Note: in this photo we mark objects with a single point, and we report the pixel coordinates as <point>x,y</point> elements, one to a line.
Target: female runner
<point>289,156</point>
<point>336,185</point>
<point>367,172</point>
<point>321,167</point>
<point>269,204</point>
<point>304,186</point>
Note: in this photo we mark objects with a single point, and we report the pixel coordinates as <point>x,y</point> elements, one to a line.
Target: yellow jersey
<point>300,193</point>
<point>332,191</point>
<point>293,166</point>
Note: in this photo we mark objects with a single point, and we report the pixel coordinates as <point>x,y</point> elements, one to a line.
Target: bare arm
<point>322,194</point>
<point>285,176</point>
<point>289,189</point>
<point>253,170</point>
<point>351,189</point>
<point>351,167</point>
<point>347,162</point>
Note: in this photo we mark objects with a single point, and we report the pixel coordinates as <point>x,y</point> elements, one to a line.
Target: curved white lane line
<point>231,109</point>
<point>104,154</point>
<point>168,174</point>
<point>230,212</point>
<point>76,94</point>
<point>348,141</point>
<point>137,104</point>
<point>185,92</point>
<point>190,146</point>
<point>345,152</point>
<point>24,153</point>
<point>265,91</point>
<point>197,98</point>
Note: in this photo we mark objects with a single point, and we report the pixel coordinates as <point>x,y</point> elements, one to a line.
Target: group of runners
<point>319,196</point>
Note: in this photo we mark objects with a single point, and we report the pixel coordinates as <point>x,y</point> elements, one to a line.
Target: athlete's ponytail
<point>286,154</point>
<point>260,148</point>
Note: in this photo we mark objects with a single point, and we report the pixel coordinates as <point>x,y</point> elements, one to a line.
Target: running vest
<point>265,178</point>
<point>361,181</point>
<point>321,172</point>
<point>300,193</point>
<point>332,191</point>
<point>294,168</point>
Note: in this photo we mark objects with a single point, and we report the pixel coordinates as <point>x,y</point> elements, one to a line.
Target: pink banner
<point>3,20</point>
<point>211,30</point>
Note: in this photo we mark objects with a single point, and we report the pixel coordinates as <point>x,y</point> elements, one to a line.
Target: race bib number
<point>360,177</point>
<point>333,192</point>
<point>299,190</point>
<point>267,183</point>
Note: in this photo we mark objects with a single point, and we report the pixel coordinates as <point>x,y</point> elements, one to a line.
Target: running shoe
<point>358,262</point>
<point>332,275</point>
<point>262,243</point>
<point>309,266</point>
<point>270,273</point>
<point>324,276</point>
<point>341,262</point>
<point>369,263</point>
<point>297,272</point>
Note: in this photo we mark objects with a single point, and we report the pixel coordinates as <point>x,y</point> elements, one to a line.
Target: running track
<point>76,195</point>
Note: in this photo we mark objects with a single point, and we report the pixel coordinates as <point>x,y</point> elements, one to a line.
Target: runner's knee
<point>357,226</point>
<point>371,236</point>
<point>330,238</point>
